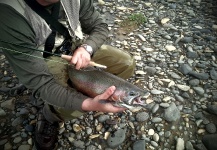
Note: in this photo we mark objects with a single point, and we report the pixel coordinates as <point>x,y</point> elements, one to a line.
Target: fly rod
<point>63,56</point>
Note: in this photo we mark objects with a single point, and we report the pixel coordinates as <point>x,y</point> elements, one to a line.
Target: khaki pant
<point>118,62</point>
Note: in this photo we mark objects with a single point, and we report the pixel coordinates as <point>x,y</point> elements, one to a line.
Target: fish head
<point>130,98</point>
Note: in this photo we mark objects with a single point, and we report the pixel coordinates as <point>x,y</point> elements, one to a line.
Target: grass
<point>135,19</point>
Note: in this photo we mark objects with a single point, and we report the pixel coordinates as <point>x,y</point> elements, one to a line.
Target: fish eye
<point>132,93</point>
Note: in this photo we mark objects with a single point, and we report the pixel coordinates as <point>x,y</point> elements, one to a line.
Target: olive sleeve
<point>27,65</point>
<point>93,25</point>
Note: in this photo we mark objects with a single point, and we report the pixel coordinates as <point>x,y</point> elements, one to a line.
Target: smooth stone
<point>180,145</point>
<point>153,143</point>
<point>17,140</point>
<point>139,145</point>
<point>185,95</point>
<point>167,134</point>
<point>183,87</point>
<point>187,39</point>
<point>185,69</point>
<point>200,146</point>
<point>172,113</point>
<point>2,112</point>
<point>7,146</point>
<point>179,98</point>
<point>29,128</point>
<point>155,108</point>
<point>156,120</point>
<point>156,92</point>
<point>164,105</point>
<point>2,142</point>
<point>9,104</point>
<point>117,138</point>
<point>213,74</point>
<point>194,82</point>
<point>79,144</point>
<point>151,132</point>
<point>103,118</point>
<point>212,109</point>
<point>199,90</point>
<point>210,141</point>
<point>202,76</point>
<point>24,147</point>
<point>192,55</point>
<point>211,128</point>
<point>23,135</point>
<point>189,146</point>
<point>150,70</point>
<point>156,137</point>
<point>174,75</point>
<point>142,116</point>
<point>170,47</point>
<point>24,111</point>
<point>17,121</point>
<point>214,27</point>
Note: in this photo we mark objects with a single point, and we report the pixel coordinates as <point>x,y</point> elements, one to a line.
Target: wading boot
<point>45,133</point>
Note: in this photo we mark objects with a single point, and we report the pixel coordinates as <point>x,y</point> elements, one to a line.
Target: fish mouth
<point>134,100</point>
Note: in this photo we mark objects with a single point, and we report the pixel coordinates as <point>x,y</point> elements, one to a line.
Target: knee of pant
<point>129,64</point>
<point>127,70</point>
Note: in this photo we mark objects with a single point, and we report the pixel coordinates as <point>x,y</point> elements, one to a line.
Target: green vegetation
<point>135,19</point>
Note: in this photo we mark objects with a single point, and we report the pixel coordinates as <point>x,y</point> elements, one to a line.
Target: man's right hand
<point>93,104</point>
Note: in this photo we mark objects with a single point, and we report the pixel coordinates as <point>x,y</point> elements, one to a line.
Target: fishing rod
<point>63,56</point>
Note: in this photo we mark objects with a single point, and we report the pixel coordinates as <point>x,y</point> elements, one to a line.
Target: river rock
<point>185,69</point>
<point>212,109</point>
<point>139,145</point>
<point>211,128</point>
<point>116,138</point>
<point>172,113</point>
<point>180,145</point>
<point>142,116</point>
<point>210,141</point>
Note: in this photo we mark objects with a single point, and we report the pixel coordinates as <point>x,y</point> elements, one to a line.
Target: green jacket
<point>32,71</point>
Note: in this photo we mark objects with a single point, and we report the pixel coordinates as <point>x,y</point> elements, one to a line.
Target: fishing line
<point>58,55</point>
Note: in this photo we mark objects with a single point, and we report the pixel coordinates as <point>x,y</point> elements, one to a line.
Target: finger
<point>110,108</point>
<point>107,93</point>
<point>74,60</point>
<point>79,64</point>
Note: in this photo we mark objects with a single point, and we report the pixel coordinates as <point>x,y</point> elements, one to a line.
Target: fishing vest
<point>39,25</point>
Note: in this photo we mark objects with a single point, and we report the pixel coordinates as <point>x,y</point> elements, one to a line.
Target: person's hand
<point>95,104</point>
<point>81,58</point>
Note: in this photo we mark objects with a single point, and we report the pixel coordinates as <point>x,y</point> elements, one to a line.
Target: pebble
<point>116,138</point>
<point>211,128</point>
<point>24,147</point>
<point>7,146</point>
<point>171,113</point>
<point>139,145</point>
<point>17,139</point>
<point>151,132</point>
<point>2,112</point>
<point>17,121</point>
<point>142,116</point>
<point>212,109</point>
<point>189,146</point>
<point>2,142</point>
<point>180,144</point>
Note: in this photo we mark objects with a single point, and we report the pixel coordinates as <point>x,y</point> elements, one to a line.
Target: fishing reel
<point>64,48</point>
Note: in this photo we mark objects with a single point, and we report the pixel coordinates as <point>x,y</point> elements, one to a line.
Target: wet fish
<point>92,82</point>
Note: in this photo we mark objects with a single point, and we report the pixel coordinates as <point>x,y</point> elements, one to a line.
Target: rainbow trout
<point>92,82</point>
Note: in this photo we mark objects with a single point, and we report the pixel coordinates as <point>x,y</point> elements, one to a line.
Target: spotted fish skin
<point>92,82</point>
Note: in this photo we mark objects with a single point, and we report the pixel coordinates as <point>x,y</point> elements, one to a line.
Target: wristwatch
<point>88,48</point>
